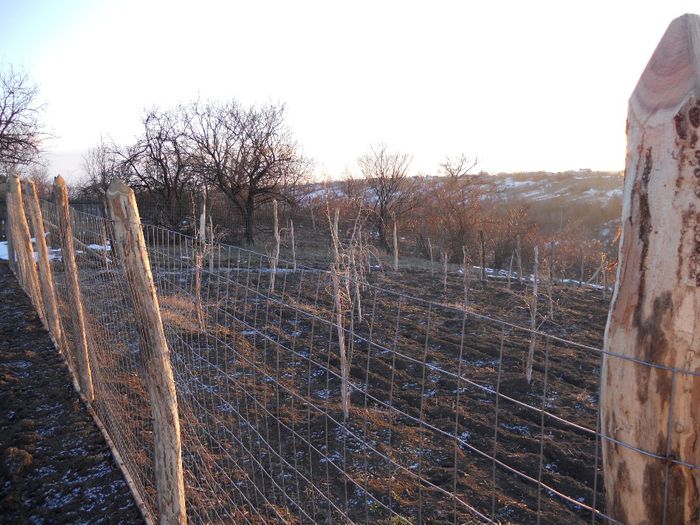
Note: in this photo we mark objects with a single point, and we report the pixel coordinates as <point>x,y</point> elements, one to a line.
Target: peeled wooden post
<point>200,243</point>
<point>155,355</point>
<point>396,247</point>
<point>519,259</point>
<point>580,256</point>
<point>25,248</point>
<point>276,252</point>
<point>510,268</point>
<point>444,271</point>
<point>8,229</point>
<point>77,315</point>
<point>464,263</point>
<point>655,311</point>
<point>430,249</point>
<point>550,281</point>
<point>339,318</point>
<point>48,291</point>
<point>533,318</point>
<point>482,255</point>
<point>294,249</point>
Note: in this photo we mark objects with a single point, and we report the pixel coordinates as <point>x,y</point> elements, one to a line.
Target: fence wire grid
<point>442,426</point>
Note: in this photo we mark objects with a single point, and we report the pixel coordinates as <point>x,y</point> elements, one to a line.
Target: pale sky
<point>524,86</point>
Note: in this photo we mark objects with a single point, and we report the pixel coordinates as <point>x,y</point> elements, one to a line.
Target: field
<point>442,425</point>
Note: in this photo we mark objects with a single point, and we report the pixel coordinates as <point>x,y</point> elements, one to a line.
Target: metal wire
<point>441,426</point>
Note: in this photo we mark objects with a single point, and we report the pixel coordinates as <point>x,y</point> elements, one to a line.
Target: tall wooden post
<point>23,245</point>
<point>80,347</point>
<point>655,312</point>
<point>155,355</point>
<point>396,246</point>
<point>48,291</point>
<point>580,256</point>
<point>8,229</point>
<point>482,255</point>
<point>533,315</point>
<point>519,259</point>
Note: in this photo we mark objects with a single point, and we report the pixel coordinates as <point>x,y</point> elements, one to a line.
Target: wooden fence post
<point>130,244</point>
<point>580,256</point>
<point>533,317</point>
<point>482,255</point>
<point>48,291</point>
<point>24,247</point>
<point>396,246</point>
<point>8,229</point>
<point>274,259</point>
<point>77,314</point>
<point>430,250</point>
<point>655,312</point>
<point>519,259</point>
<point>294,248</point>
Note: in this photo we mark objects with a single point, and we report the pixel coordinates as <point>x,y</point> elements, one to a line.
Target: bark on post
<point>276,250</point>
<point>550,283</point>
<point>130,244</point>
<point>294,248</point>
<point>48,291</point>
<point>8,230</point>
<point>519,258</point>
<point>24,246</point>
<point>655,311</point>
<point>533,317</point>
<point>510,268</point>
<point>396,247</point>
<point>465,261</point>
<point>482,255</point>
<point>580,256</point>
<point>430,250</point>
<point>77,315</point>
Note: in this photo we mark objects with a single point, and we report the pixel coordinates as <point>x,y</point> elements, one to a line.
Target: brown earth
<point>54,464</point>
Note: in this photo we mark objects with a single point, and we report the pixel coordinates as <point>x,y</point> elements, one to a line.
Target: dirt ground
<point>54,464</point>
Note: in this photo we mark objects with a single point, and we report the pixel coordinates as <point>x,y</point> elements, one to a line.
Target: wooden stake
<point>80,347</point>
<point>655,311</point>
<point>294,249</point>
<point>430,249</point>
<point>8,230</point>
<point>444,271</point>
<point>130,244</point>
<point>24,246</point>
<point>276,251</point>
<point>396,247</point>
<point>519,258</point>
<point>482,256</point>
<point>550,281</point>
<point>580,256</point>
<point>48,291</point>
<point>533,318</point>
<point>510,268</point>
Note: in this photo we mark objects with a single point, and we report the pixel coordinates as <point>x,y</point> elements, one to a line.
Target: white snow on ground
<point>100,247</point>
<point>54,255</point>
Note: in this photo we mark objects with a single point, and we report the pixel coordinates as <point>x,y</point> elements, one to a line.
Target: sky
<point>522,86</point>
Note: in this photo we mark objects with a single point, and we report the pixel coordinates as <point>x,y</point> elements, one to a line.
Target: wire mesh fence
<point>439,424</point>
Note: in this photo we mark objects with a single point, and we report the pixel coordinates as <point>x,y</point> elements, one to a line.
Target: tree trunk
<point>655,312</point>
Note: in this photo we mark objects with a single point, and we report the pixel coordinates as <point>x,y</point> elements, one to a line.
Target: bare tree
<point>101,164</point>
<point>248,153</point>
<point>159,163</point>
<point>393,192</point>
<point>20,128</point>
<point>458,167</point>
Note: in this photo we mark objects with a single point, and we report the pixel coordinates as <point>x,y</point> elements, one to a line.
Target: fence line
<point>441,425</point>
